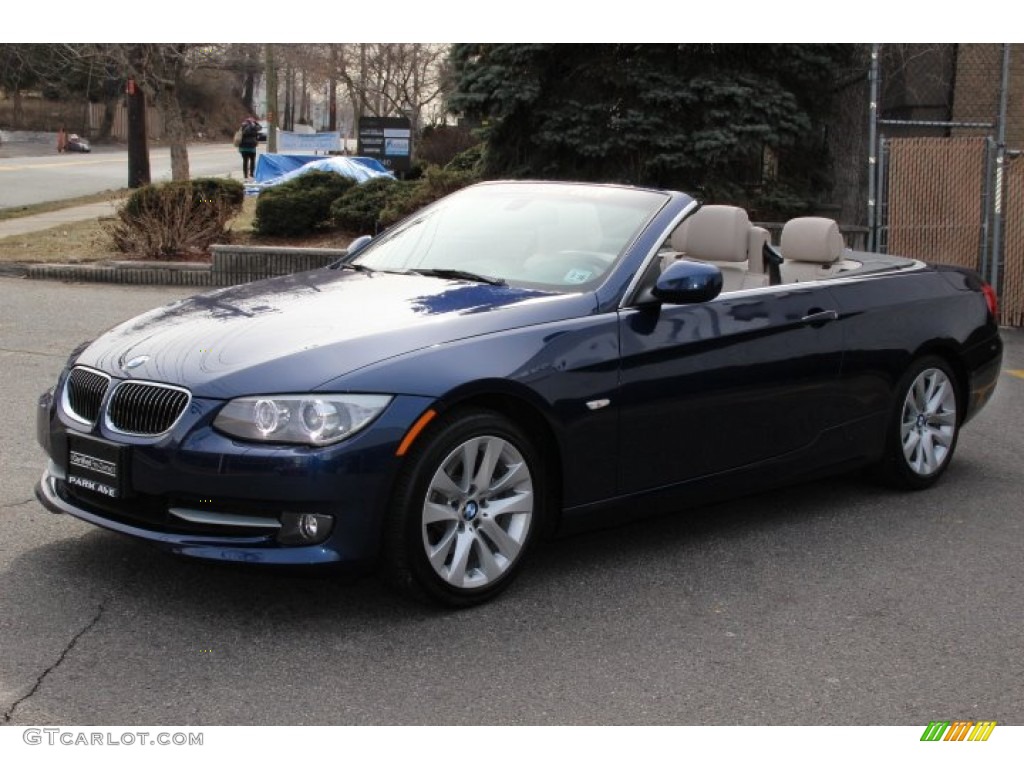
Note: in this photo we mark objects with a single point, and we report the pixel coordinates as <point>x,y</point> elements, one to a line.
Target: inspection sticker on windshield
<point>578,275</point>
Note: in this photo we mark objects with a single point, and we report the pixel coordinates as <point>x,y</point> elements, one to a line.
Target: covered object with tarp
<point>277,169</point>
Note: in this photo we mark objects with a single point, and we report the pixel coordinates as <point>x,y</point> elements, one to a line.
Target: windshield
<point>558,236</point>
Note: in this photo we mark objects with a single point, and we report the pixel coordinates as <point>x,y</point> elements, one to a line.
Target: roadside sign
<point>388,140</point>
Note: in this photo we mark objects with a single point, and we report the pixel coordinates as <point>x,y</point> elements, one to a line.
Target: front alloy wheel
<point>467,507</point>
<point>477,512</point>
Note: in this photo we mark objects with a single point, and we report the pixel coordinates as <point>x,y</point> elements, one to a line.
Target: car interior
<point>810,248</point>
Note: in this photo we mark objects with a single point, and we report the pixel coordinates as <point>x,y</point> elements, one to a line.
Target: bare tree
<point>380,79</point>
<point>159,70</point>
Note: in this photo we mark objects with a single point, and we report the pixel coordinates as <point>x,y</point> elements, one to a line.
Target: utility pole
<point>138,146</point>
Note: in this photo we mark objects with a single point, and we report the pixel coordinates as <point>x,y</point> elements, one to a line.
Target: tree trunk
<point>107,124</point>
<point>18,112</point>
<point>332,91</point>
<point>271,100</point>
<point>361,103</point>
<point>288,98</point>
<point>247,92</point>
<point>177,135</point>
<point>304,100</point>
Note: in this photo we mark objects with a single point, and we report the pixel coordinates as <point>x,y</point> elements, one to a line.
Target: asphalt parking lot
<point>836,603</point>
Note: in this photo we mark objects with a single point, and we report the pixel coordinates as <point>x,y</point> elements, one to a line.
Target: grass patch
<point>87,241</point>
<point>20,211</point>
<point>69,243</point>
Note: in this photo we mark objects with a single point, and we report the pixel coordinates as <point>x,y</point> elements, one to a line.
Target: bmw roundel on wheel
<point>502,365</point>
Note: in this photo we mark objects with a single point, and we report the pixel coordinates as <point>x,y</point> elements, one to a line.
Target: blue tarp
<point>275,169</point>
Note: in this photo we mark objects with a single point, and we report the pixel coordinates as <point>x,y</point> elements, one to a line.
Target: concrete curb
<point>232,265</point>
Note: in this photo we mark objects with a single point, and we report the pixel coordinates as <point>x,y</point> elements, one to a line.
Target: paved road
<point>837,603</point>
<point>29,180</point>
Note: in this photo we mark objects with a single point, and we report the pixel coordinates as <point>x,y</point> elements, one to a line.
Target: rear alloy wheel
<point>469,506</point>
<point>927,424</point>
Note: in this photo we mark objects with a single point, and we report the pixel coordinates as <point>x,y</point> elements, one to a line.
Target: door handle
<point>818,317</point>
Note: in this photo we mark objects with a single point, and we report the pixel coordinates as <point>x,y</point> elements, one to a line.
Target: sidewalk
<point>24,225</point>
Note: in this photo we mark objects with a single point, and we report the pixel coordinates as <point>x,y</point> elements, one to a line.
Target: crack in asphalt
<point>9,714</point>
<point>31,352</point>
<point>13,504</point>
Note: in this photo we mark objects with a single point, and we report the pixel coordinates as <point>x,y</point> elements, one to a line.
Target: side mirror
<point>358,244</point>
<point>688,282</point>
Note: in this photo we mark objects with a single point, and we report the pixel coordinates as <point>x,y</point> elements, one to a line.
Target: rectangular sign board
<point>388,140</point>
<point>325,141</point>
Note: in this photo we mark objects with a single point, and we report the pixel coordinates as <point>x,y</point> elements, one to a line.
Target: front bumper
<point>51,491</point>
<point>198,493</point>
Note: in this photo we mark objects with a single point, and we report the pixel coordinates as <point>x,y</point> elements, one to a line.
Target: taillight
<point>991,299</point>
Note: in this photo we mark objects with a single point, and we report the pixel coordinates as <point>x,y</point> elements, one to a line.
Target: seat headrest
<point>714,233</point>
<point>812,238</point>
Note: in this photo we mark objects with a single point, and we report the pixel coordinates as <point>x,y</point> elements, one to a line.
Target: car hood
<point>295,333</point>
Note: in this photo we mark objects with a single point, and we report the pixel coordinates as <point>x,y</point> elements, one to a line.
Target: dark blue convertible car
<point>515,360</point>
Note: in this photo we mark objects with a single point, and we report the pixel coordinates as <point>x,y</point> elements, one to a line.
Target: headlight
<point>313,419</point>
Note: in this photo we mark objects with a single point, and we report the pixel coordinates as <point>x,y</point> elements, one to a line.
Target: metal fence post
<point>987,207</point>
<point>882,208</point>
<point>872,244</point>
<point>997,223</point>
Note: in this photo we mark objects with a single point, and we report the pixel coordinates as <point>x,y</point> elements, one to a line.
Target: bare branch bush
<point>173,222</point>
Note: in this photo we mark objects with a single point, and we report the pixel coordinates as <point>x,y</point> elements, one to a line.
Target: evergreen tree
<point>698,117</point>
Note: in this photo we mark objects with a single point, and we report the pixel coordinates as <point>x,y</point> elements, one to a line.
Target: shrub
<point>201,191</point>
<point>177,218</point>
<point>229,190</point>
<point>439,145</point>
<point>359,209</point>
<point>471,160</point>
<point>299,206</point>
<point>435,184</point>
<point>382,202</point>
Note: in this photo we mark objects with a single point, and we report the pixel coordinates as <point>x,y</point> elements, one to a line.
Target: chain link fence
<point>932,199</point>
<point>1013,277</point>
<point>947,123</point>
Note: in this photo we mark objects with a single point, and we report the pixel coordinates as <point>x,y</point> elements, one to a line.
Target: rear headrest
<point>812,238</point>
<point>714,233</point>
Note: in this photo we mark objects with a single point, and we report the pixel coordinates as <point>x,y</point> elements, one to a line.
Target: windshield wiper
<point>458,274</point>
<point>349,265</point>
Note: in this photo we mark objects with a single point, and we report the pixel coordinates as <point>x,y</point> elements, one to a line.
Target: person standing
<point>247,139</point>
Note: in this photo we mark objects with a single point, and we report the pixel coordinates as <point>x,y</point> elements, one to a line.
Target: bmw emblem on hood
<point>135,362</point>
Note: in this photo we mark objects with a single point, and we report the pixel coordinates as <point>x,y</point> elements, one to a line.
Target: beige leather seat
<point>812,249</point>
<point>722,235</point>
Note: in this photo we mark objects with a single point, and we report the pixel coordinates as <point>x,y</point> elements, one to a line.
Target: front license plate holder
<point>97,466</point>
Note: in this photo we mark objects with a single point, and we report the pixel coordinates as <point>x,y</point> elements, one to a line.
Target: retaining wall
<point>232,265</point>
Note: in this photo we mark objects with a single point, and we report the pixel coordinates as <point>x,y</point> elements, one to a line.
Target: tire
<point>924,426</point>
<point>460,538</point>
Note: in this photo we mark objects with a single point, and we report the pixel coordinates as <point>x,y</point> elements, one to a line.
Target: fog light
<point>307,526</point>
<point>304,528</point>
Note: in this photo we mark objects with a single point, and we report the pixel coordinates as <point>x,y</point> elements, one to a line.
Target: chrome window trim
<point>629,296</point>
